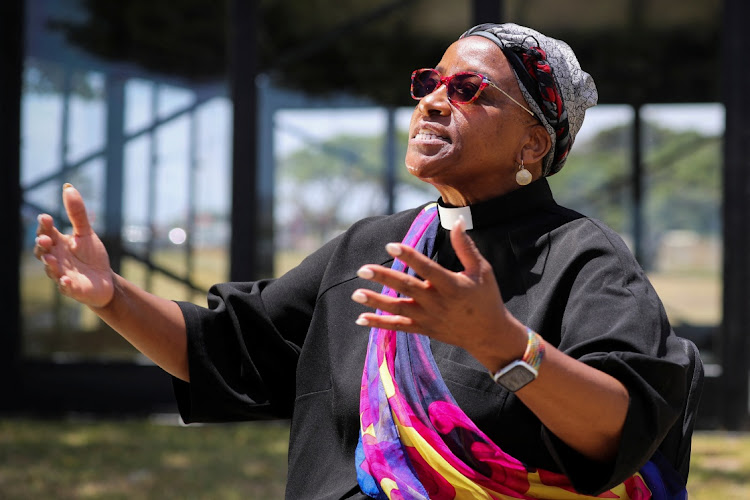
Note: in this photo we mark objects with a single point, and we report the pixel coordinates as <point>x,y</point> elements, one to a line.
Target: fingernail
<point>362,321</point>
<point>39,219</point>
<point>460,224</point>
<point>360,297</point>
<point>365,273</point>
<point>393,249</point>
<point>67,185</point>
<point>43,258</point>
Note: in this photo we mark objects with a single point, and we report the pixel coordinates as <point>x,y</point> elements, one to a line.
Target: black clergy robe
<point>289,347</point>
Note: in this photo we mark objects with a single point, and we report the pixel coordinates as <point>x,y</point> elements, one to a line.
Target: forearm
<point>153,325</point>
<point>584,407</point>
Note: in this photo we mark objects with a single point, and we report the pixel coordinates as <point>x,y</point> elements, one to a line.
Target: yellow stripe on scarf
<point>543,491</point>
<point>465,488</point>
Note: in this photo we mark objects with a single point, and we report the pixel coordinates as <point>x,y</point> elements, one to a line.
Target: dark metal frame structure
<point>735,330</point>
<point>11,63</point>
<point>127,388</point>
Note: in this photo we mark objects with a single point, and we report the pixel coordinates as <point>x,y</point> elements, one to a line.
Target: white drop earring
<point>523,176</point>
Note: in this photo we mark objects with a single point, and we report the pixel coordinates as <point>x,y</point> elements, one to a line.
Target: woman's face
<point>469,152</point>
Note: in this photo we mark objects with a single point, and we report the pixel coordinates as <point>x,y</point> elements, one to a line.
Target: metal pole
<point>11,67</point>
<point>113,191</point>
<point>192,189</point>
<point>637,185</point>
<point>390,159</point>
<point>246,216</point>
<point>151,200</point>
<point>736,300</point>
<point>636,9</point>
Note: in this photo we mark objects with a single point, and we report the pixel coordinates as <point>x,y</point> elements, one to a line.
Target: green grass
<point>144,459</point>
<point>720,466</point>
<point>141,459</point>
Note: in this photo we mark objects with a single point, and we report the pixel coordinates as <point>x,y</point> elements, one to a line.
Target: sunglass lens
<point>463,88</point>
<point>424,82</point>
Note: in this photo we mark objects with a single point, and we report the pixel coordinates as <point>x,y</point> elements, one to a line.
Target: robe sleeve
<point>244,347</point>
<point>614,321</point>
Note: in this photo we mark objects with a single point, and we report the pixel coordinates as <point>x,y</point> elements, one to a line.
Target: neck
<point>454,198</point>
<point>510,207</point>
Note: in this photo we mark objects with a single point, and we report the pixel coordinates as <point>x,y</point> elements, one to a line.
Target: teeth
<point>424,136</point>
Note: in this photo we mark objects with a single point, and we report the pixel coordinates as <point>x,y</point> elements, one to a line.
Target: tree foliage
<point>682,180</point>
<point>327,186</point>
<point>333,183</point>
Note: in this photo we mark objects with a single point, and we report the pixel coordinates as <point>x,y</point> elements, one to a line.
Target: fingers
<point>51,266</point>
<point>45,224</point>
<point>402,310</point>
<point>466,250</point>
<point>47,236</point>
<point>399,281</point>
<point>390,322</point>
<point>394,305</point>
<point>43,244</point>
<point>76,210</point>
<point>423,266</point>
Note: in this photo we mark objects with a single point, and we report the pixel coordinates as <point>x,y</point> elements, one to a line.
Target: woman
<point>546,363</point>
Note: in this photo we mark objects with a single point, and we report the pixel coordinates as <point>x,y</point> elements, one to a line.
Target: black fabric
<point>676,445</point>
<point>289,347</point>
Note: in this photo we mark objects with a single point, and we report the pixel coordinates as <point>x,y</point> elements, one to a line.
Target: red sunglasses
<point>463,87</point>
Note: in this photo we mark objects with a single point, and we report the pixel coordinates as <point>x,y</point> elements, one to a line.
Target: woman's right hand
<point>77,262</point>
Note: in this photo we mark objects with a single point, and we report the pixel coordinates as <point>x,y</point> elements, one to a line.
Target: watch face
<point>515,376</point>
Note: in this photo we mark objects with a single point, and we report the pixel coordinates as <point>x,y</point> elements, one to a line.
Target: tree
<point>327,186</point>
<point>682,182</point>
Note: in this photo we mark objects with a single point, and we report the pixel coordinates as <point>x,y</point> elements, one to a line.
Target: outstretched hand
<point>77,262</point>
<point>463,309</point>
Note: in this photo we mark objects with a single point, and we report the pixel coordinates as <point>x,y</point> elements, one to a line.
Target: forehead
<point>475,53</point>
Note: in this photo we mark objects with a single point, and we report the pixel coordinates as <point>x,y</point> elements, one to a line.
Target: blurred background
<point>226,139</point>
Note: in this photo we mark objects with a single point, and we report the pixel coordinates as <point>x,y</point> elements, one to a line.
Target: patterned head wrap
<point>551,80</point>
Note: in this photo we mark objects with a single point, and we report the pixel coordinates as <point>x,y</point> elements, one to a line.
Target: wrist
<point>525,370</point>
<point>499,354</point>
<point>107,302</point>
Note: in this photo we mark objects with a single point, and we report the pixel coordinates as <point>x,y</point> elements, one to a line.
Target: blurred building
<point>180,121</point>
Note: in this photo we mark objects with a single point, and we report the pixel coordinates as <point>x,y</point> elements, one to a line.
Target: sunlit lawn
<point>720,466</point>
<point>143,459</point>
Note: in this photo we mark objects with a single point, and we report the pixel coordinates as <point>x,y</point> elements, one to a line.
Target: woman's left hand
<point>460,308</point>
<point>581,405</point>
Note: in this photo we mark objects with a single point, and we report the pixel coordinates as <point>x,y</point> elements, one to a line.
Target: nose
<point>435,103</point>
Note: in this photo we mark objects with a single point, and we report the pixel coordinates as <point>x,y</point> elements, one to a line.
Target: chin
<point>426,175</point>
<point>426,166</point>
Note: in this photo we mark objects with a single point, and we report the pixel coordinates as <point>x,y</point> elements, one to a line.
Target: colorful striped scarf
<point>416,443</point>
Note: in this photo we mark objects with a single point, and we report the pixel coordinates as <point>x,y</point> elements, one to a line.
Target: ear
<point>536,146</point>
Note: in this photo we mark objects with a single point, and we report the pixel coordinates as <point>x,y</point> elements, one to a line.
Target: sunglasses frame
<point>445,80</point>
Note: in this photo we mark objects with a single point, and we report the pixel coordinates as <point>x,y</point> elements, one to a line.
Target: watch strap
<point>534,349</point>
<point>531,360</point>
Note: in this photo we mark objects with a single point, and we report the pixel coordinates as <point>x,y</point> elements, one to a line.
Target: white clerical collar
<point>449,216</point>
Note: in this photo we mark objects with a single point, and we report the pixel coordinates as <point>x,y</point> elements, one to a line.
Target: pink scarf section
<point>415,441</point>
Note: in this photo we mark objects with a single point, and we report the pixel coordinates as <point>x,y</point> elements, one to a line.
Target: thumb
<point>76,210</point>
<point>466,250</point>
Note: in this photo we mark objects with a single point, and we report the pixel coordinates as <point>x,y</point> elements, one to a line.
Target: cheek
<point>414,117</point>
<point>500,139</point>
